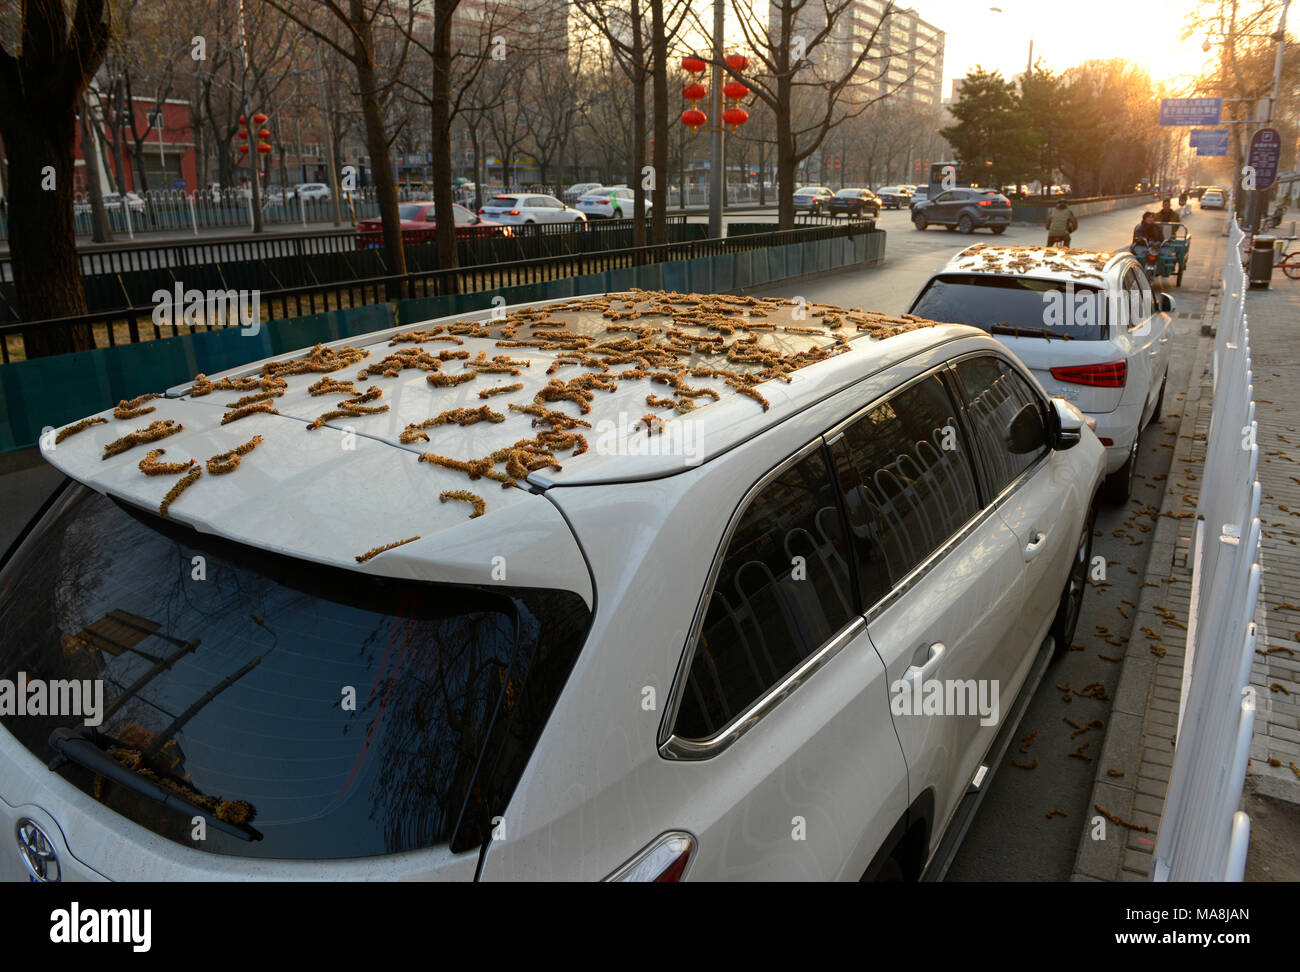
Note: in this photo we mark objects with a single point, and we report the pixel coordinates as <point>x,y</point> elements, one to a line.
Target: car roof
<point>369,477</point>
<point>1043,262</point>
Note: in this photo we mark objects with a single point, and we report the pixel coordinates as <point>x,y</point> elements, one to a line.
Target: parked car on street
<point>311,191</point>
<point>1214,199</point>
<point>419,224</point>
<point>906,510</point>
<point>813,200</point>
<point>854,202</point>
<point>894,197</point>
<point>529,208</point>
<point>964,210</point>
<point>919,195</point>
<point>1088,325</point>
<point>610,202</point>
<point>578,190</point>
<point>113,203</point>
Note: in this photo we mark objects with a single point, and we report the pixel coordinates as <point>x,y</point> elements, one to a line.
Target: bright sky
<point>1064,32</point>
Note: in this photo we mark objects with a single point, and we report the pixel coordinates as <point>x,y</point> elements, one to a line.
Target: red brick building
<point>169,159</point>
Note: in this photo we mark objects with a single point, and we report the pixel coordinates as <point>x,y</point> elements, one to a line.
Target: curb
<point>1142,694</point>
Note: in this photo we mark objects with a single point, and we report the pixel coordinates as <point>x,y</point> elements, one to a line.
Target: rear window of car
<point>409,212</point>
<point>326,713</point>
<point>1037,308</point>
<point>849,193</point>
<point>503,202</point>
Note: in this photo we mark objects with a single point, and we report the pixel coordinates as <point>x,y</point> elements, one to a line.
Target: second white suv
<point>1087,324</point>
<point>553,596</point>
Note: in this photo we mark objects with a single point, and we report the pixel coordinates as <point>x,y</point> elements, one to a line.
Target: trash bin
<point>1261,262</point>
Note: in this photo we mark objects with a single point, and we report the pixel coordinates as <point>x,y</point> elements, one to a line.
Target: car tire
<point>1066,621</point>
<point>998,230</point>
<point>618,214</point>
<point>965,224</point>
<point>1118,486</point>
<point>919,221</point>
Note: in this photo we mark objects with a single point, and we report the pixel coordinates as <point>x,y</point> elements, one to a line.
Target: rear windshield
<point>1041,308</point>
<point>409,212</point>
<point>327,713</point>
<point>501,202</point>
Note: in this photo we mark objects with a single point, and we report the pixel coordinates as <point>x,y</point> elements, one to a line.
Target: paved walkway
<point>1133,772</point>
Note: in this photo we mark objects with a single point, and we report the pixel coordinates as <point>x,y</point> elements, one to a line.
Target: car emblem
<point>37,851</point>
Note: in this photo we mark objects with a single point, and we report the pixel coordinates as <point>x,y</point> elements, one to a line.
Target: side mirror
<point>1166,303</point>
<point>1026,433</point>
<point>1068,422</point>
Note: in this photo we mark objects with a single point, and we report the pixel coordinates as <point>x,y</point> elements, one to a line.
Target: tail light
<point>513,212</point>
<point>1110,375</point>
<point>664,862</point>
<point>986,202</point>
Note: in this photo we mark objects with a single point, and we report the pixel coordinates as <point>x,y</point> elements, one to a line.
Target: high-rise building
<point>906,57</point>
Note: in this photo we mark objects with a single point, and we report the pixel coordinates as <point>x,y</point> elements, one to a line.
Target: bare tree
<point>59,50</point>
<point>355,21</point>
<point>812,94</point>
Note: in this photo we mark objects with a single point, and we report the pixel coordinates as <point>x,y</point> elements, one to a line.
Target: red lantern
<point>259,119</point>
<point>694,65</point>
<point>735,90</point>
<point>243,133</point>
<point>242,120</point>
<point>693,118</point>
<point>244,149</point>
<point>735,117</point>
<point>737,62</point>
<point>694,92</point>
<point>263,147</point>
<point>265,133</point>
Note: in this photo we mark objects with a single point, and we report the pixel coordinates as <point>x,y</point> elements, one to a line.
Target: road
<point>1011,838</point>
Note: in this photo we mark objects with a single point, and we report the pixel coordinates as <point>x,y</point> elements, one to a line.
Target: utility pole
<point>717,151</point>
<point>1258,207</point>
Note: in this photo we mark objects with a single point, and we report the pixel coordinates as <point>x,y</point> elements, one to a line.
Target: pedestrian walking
<point>1061,222</point>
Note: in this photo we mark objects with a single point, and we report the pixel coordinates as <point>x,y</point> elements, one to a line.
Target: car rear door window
<point>1006,418</point>
<point>1015,305</point>
<point>906,475</point>
<point>781,592</point>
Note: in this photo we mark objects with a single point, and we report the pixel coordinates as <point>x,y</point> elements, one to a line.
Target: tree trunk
<point>381,166</point>
<point>638,127</point>
<point>47,275</point>
<point>659,215</point>
<point>440,122</point>
<point>784,156</point>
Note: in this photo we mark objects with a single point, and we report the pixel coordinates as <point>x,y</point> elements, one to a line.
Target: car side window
<point>782,592</point>
<point>1141,300</point>
<point>945,197</point>
<point>1006,417</point>
<point>907,478</point>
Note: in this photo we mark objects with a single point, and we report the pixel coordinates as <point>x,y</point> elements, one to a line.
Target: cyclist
<point>1061,222</point>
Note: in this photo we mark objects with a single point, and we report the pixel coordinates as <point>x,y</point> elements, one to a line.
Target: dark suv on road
<point>964,209</point>
<point>854,202</point>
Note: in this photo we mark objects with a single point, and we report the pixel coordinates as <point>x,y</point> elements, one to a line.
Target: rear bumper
<point>1121,427</point>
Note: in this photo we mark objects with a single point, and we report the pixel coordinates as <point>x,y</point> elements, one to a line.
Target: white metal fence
<point>1203,836</point>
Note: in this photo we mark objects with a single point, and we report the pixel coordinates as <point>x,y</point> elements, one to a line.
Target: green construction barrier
<point>51,392</point>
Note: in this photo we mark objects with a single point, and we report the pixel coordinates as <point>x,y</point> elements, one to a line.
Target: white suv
<point>1087,324</point>
<point>616,587</point>
<point>529,208</point>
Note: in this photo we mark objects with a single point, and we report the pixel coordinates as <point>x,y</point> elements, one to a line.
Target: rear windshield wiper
<point>83,748</point>
<point>1016,331</point>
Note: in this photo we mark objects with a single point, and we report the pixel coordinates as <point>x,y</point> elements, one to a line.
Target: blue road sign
<point>1265,151</point>
<point>1210,141</point>
<point>1190,111</point>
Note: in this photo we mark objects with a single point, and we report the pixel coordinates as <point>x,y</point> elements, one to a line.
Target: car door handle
<point>1035,546</point>
<point>931,662</point>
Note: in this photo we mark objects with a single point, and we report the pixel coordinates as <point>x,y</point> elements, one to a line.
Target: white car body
<point>310,191</point>
<point>529,207</point>
<point>614,202</point>
<point>1143,341</point>
<point>639,537</point>
<point>1213,199</point>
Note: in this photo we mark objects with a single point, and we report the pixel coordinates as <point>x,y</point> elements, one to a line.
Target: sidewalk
<point>1139,740</point>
